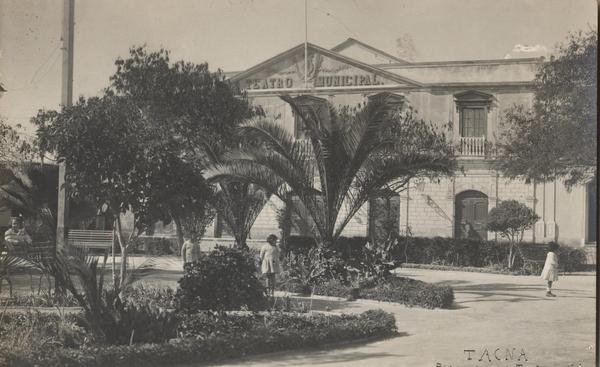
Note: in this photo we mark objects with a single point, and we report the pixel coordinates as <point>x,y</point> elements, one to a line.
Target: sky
<point>234,35</point>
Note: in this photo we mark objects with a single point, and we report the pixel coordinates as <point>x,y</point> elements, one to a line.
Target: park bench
<point>90,238</point>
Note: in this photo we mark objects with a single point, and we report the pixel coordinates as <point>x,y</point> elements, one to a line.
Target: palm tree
<point>238,202</point>
<point>348,156</point>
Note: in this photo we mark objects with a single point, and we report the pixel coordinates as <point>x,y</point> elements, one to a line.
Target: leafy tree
<point>192,107</point>
<point>13,147</point>
<point>116,159</point>
<point>346,158</point>
<point>510,219</point>
<point>556,139</point>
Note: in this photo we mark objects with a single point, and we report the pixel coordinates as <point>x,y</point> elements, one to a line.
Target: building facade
<point>469,96</point>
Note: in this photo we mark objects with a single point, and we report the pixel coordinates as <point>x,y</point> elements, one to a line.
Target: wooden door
<point>471,215</point>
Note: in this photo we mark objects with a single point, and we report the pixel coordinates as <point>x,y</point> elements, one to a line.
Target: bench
<point>90,238</point>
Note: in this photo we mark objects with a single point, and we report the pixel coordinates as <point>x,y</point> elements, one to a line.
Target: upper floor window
<point>473,107</point>
<point>473,122</point>
<point>311,107</point>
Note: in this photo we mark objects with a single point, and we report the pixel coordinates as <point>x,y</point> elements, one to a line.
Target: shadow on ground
<point>317,355</point>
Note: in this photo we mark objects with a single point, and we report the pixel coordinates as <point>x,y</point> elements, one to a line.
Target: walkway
<point>492,312</point>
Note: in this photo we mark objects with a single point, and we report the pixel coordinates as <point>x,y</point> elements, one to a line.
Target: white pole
<point>306,44</point>
<point>68,24</point>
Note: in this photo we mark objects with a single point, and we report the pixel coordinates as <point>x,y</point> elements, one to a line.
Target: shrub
<point>266,333</point>
<point>206,324</point>
<point>33,329</point>
<point>410,292</point>
<point>145,324</point>
<point>41,300</point>
<point>571,259</point>
<point>224,280</point>
<point>346,247</point>
<point>143,295</point>
<point>406,291</point>
<point>333,288</point>
<point>302,271</point>
<point>510,219</point>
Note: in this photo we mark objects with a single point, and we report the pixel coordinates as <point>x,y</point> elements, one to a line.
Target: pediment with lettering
<point>324,69</point>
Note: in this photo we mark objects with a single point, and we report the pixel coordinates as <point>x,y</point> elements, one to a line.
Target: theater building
<point>469,95</point>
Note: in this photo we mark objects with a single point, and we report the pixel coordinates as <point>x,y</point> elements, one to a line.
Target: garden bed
<point>45,340</point>
<point>471,269</point>
<point>406,291</point>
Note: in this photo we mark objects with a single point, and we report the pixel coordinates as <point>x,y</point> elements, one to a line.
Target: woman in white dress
<point>269,257</point>
<point>550,271</point>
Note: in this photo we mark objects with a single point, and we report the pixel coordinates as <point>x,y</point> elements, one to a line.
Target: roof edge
<point>528,60</point>
<point>351,40</point>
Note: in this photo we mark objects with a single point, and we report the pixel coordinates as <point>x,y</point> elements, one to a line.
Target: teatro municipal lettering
<point>316,82</point>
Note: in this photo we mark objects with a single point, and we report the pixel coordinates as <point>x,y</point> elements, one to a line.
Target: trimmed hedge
<point>269,333</point>
<point>402,290</point>
<point>476,253</point>
<point>410,292</point>
<point>456,252</point>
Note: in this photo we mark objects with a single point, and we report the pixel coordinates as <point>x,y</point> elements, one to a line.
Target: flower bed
<point>472,269</point>
<point>211,338</point>
<point>406,291</point>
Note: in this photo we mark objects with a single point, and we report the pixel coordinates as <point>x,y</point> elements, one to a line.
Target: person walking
<point>269,257</point>
<point>550,270</point>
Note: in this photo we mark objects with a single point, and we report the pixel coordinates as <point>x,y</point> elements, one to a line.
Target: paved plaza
<point>492,313</point>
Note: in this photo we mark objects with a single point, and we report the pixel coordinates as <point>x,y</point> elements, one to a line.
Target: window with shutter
<point>473,107</point>
<point>473,121</point>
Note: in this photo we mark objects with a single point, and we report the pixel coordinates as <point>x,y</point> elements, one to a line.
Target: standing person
<point>550,271</point>
<point>16,237</point>
<point>190,251</point>
<point>269,257</point>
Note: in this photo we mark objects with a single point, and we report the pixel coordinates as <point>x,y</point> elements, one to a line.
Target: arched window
<point>470,215</point>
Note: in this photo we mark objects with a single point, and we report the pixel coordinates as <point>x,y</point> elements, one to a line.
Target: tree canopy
<point>194,108</point>
<point>557,137</point>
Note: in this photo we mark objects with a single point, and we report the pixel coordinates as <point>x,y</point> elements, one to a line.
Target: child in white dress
<point>550,271</point>
<point>269,257</point>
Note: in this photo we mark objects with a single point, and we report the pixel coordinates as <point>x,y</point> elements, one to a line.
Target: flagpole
<point>305,44</point>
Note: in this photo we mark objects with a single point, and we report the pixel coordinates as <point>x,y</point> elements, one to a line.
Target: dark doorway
<point>471,211</point>
<point>384,217</point>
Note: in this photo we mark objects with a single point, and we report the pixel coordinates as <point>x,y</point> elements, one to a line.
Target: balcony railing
<point>473,146</point>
